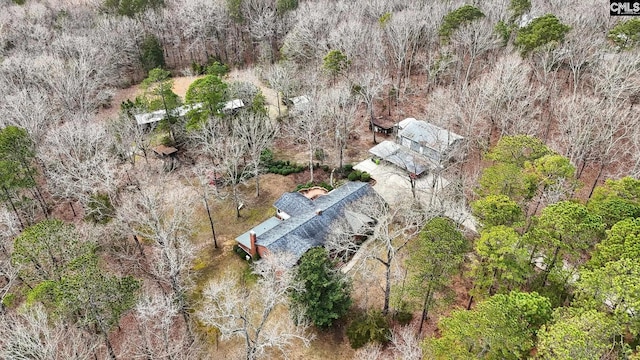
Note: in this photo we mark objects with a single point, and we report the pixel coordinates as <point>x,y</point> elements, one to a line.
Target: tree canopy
<point>456,18</point>
<point>494,210</point>
<point>501,327</point>
<point>502,263</point>
<point>626,34</point>
<point>616,200</point>
<point>622,241</point>
<point>434,258</point>
<point>540,31</point>
<point>211,92</point>
<point>576,334</point>
<point>158,91</point>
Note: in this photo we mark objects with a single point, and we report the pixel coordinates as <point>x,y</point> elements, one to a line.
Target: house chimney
<point>252,240</point>
<point>318,212</point>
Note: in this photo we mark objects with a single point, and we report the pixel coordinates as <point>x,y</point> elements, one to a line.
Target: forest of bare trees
<point>110,252</point>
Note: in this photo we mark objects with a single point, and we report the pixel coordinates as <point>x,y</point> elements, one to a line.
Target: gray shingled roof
<point>428,134</point>
<point>294,203</point>
<point>307,229</point>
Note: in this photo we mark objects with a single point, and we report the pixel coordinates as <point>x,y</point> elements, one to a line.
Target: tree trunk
<point>373,128</point>
<point>13,206</point>
<point>470,302</point>
<point>387,286</point>
<point>425,308</point>
<point>213,230</point>
<point>257,176</point>
<point>595,182</point>
<point>551,265</point>
<point>135,238</point>
<point>311,164</point>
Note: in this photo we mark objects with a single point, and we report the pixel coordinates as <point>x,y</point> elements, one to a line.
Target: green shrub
<point>167,141</point>
<point>365,177</point>
<point>266,156</point>
<point>217,68</point>
<point>280,167</point>
<point>8,300</point>
<point>310,184</point>
<point>519,8</point>
<point>353,176</point>
<point>326,186</point>
<point>325,168</point>
<point>282,6</point>
<point>403,317</point>
<point>319,154</point>
<point>371,326</point>
<point>243,254</point>
<point>347,168</point>
<point>504,32</point>
<point>99,209</point>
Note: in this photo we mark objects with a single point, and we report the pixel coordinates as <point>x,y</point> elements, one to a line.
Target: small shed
<point>383,125</point>
<point>165,151</point>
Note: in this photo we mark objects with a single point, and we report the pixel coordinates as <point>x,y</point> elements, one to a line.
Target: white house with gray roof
<point>427,139</point>
<point>419,146</point>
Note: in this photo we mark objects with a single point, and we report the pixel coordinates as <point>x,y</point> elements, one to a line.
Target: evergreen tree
<point>325,293</point>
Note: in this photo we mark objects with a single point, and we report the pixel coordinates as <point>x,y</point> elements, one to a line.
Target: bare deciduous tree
<point>158,325</point>
<point>166,219</point>
<point>390,232</point>
<point>30,334</point>
<point>404,31</point>
<point>616,76</point>
<point>231,166</point>
<point>307,125</point>
<point>580,50</point>
<point>406,344</point>
<point>255,314</point>
<point>128,138</point>
<point>77,162</point>
<point>369,85</point>
<point>509,96</point>
<point>370,351</point>
<point>281,77</point>
<point>473,40</point>
<point>257,132</point>
<point>340,109</point>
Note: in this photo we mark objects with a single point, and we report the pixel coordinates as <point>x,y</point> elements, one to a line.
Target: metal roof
<point>259,230</point>
<point>151,117</point>
<point>232,105</point>
<point>401,157</point>
<point>181,111</point>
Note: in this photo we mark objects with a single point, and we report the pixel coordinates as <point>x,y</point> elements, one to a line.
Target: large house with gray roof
<point>427,139</point>
<point>302,223</point>
<point>420,146</point>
